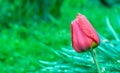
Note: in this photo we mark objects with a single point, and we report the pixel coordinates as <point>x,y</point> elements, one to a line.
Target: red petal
<point>83,34</point>
<point>80,41</point>
<point>87,28</point>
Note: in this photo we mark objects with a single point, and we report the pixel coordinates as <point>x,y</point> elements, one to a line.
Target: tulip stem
<point>95,61</point>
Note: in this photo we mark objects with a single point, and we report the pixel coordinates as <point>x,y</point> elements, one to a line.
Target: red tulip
<point>83,34</point>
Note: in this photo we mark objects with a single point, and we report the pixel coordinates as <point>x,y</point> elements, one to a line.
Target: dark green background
<point>30,28</point>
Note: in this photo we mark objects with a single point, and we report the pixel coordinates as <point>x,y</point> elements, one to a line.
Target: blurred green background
<point>30,28</point>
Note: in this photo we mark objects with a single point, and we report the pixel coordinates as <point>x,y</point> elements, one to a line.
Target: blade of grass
<point>111,29</point>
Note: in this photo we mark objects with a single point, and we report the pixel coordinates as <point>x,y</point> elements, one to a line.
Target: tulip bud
<point>83,34</point>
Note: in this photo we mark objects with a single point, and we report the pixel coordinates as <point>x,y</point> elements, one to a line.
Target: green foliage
<point>72,62</point>
<point>35,36</point>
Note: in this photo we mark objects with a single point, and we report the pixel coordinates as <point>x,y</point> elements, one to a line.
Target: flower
<point>83,34</point>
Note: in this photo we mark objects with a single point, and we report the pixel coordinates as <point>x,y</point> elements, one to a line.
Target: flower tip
<point>80,16</point>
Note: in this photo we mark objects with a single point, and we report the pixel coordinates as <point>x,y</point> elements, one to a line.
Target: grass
<point>37,46</point>
<point>72,62</point>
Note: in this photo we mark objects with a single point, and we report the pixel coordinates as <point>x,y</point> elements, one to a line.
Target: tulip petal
<point>87,28</point>
<point>79,40</point>
<point>83,34</point>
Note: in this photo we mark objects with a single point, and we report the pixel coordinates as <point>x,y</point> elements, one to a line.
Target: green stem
<point>95,61</point>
